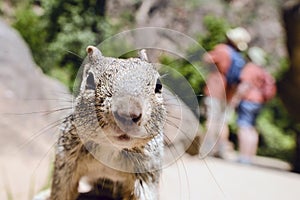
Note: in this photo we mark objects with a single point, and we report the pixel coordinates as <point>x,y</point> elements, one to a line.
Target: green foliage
<point>72,26</point>
<point>184,78</point>
<point>216,29</point>
<point>284,66</point>
<point>276,129</point>
<point>182,68</point>
<point>32,29</point>
<point>59,36</point>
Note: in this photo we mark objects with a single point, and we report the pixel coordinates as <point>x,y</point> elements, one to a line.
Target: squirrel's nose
<point>127,110</point>
<point>128,117</point>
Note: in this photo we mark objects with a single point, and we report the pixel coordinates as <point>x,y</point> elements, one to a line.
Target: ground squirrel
<point>114,135</point>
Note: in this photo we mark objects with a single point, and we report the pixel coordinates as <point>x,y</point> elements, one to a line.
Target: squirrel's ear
<point>94,53</point>
<point>143,55</point>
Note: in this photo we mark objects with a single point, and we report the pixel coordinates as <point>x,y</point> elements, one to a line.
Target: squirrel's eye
<point>90,82</point>
<point>158,86</point>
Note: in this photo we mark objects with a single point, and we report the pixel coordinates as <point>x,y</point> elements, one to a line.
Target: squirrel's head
<point>120,100</point>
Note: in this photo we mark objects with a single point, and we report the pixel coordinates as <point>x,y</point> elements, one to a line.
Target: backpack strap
<point>237,64</point>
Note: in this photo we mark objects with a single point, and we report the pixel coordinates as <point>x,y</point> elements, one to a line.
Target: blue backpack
<point>237,64</point>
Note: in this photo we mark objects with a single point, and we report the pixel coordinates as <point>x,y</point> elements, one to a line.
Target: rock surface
<point>27,127</point>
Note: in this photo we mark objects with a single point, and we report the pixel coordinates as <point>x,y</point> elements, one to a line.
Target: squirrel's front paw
<point>43,195</point>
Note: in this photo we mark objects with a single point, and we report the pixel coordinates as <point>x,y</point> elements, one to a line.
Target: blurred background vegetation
<point>58,31</point>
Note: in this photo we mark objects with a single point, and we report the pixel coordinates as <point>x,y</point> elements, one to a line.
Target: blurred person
<point>257,86</point>
<point>228,61</point>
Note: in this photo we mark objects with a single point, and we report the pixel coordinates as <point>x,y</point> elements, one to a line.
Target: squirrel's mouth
<point>123,137</point>
<point>126,135</point>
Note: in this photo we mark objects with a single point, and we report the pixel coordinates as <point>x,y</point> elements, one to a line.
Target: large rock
<point>27,126</point>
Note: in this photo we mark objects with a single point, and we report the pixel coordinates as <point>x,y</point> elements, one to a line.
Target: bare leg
<point>224,145</point>
<point>248,141</point>
<point>217,135</point>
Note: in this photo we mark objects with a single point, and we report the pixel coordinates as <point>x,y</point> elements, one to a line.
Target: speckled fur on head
<point>119,97</point>
<point>115,132</point>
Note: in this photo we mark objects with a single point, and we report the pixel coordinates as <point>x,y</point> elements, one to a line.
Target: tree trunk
<point>289,86</point>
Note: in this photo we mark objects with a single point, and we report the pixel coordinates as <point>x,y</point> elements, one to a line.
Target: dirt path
<point>215,179</point>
